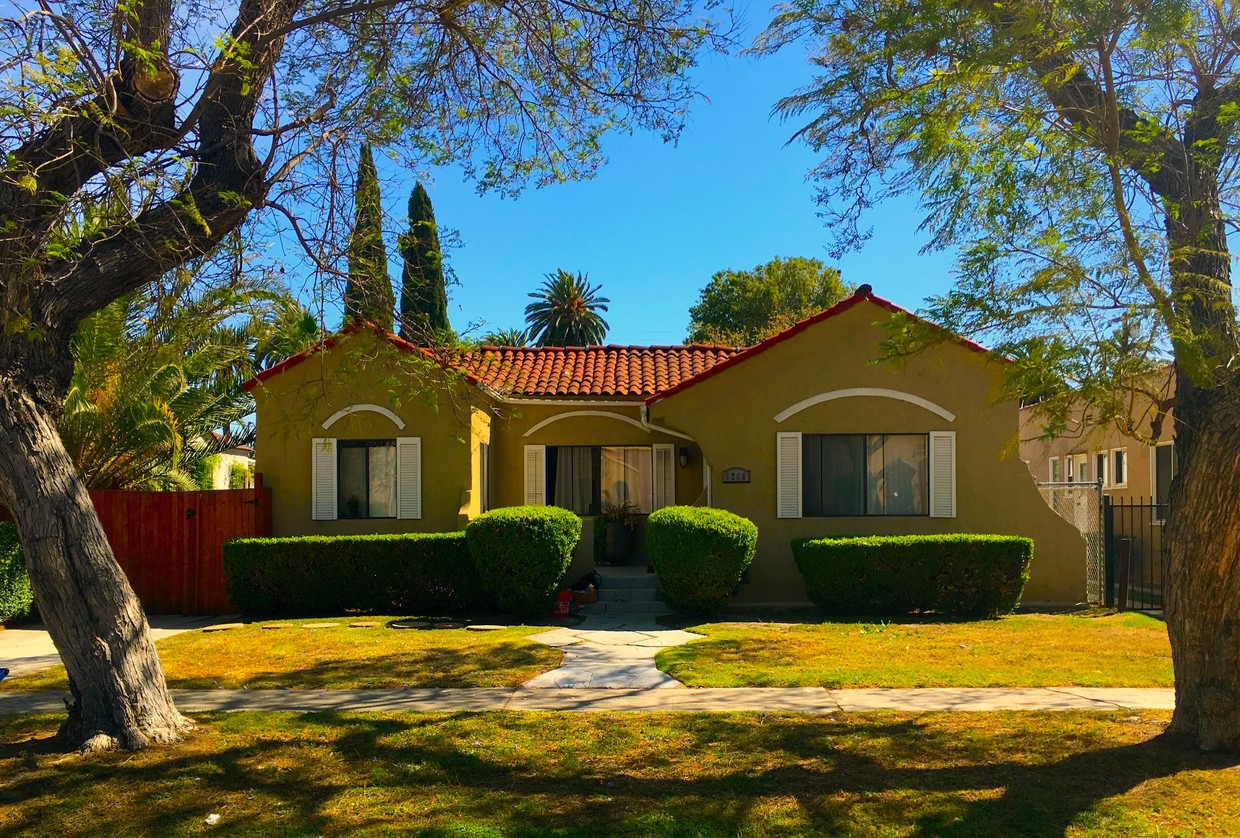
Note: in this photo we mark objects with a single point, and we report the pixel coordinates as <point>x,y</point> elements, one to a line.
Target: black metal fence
<point>1135,554</point>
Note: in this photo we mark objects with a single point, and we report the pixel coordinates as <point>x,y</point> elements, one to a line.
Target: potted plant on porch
<point>615,533</point>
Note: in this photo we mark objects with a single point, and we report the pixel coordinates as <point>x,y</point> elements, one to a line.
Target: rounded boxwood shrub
<point>964,574</point>
<point>522,553</point>
<point>699,555</point>
<point>15,595</point>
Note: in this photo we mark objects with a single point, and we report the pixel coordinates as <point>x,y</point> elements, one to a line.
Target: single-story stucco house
<point>800,433</point>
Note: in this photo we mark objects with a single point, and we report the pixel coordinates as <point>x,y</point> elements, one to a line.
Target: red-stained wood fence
<point>171,544</point>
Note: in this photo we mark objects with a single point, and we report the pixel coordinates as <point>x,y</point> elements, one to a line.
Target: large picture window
<point>366,478</point>
<point>865,474</point>
<point>587,479</point>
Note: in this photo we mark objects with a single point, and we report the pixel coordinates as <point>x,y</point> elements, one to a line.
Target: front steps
<point>627,590</point>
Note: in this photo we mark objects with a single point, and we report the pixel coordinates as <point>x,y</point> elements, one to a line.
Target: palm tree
<point>507,337</point>
<point>566,312</point>
<point>156,385</point>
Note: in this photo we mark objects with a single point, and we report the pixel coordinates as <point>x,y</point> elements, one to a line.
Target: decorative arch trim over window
<point>363,408</point>
<point>872,392</point>
<point>604,414</point>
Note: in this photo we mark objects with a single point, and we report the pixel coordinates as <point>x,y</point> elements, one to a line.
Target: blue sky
<point>659,219</point>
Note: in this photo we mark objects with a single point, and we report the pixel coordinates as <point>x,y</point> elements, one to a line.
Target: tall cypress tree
<point>423,295</point>
<point>368,294</point>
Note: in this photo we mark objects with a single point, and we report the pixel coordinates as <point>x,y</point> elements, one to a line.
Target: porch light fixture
<point>684,457</point>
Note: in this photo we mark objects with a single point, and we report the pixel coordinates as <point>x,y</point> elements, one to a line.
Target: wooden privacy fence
<point>171,544</point>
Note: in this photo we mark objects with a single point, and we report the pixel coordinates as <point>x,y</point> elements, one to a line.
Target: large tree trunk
<point>1203,527</point>
<point>119,694</point>
<point>1203,539</point>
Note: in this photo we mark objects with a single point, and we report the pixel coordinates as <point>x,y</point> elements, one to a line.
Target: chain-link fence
<point>1080,504</point>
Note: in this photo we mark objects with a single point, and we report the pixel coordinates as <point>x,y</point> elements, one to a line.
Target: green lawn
<point>1033,650</point>
<point>588,774</point>
<point>339,658</point>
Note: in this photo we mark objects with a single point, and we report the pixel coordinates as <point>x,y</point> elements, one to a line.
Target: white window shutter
<point>536,475</point>
<point>788,474</point>
<point>323,477</point>
<point>942,474</point>
<point>409,477</point>
<point>664,476</point>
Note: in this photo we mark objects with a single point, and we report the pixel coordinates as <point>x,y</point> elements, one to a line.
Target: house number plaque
<point>736,475</point>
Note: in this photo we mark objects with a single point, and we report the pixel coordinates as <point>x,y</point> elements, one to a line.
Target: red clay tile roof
<point>635,371</point>
<point>554,371</point>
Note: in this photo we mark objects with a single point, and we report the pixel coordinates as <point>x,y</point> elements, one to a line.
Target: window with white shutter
<point>409,477</point>
<point>788,474</point>
<point>536,475</point>
<point>323,479</point>
<point>664,476</point>
<point>942,474</point>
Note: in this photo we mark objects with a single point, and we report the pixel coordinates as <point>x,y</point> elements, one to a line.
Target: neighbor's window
<point>366,478</point>
<point>1119,467</point>
<point>1100,468</point>
<point>1164,470</point>
<point>865,474</point>
<point>587,479</point>
<point>1054,469</point>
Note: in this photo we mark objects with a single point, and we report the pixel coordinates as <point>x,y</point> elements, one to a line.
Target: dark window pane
<point>351,482</point>
<point>1164,470</point>
<point>571,478</point>
<point>832,475</point>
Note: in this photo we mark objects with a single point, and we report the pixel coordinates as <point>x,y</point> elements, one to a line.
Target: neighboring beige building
<point>800,433</point>
<point>1136,466</point>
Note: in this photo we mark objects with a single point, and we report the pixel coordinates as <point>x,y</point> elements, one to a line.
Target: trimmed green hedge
<point>522,553</point>
<point>973,575</point>
<point>15,596</point>
<point>699,555</point>
<point>394,574</point>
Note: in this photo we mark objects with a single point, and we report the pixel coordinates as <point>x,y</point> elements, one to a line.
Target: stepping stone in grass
<point>319,625</point>
<point>364,624</point>
<point>484,628</point>
<point>409,624</point>
<point>223,627</point>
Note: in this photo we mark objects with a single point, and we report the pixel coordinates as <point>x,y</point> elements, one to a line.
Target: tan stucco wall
<point>1085,437</point>
<point>994,491</point>
<point>291,408</point>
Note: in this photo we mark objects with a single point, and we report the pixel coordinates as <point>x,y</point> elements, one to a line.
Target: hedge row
<point>973,575</point>
<point>15,596</point>
<point>395,574</point>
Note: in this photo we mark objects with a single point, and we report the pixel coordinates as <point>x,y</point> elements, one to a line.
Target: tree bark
<point>117,683</point>
<point>1203,539</point>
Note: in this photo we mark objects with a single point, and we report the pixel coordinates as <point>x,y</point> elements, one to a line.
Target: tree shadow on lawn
<point>701,774</point>
<point>809,616</point>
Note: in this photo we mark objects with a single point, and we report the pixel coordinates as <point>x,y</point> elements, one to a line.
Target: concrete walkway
<point>610,653</point>
<point>795,700</point>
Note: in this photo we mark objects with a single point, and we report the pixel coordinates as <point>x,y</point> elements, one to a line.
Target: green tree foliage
<point>1082,157</point>
<point>423,292</point>
<point>156,388</point>
<point>368,295</point>
<point>740,308</point>
<point>566,312</point>
<point>507,337</point>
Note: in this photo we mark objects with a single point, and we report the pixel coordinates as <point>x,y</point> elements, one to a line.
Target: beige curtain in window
<point>627,474</point>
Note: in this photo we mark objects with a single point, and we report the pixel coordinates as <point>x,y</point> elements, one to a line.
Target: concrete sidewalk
<point>687,700</point>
